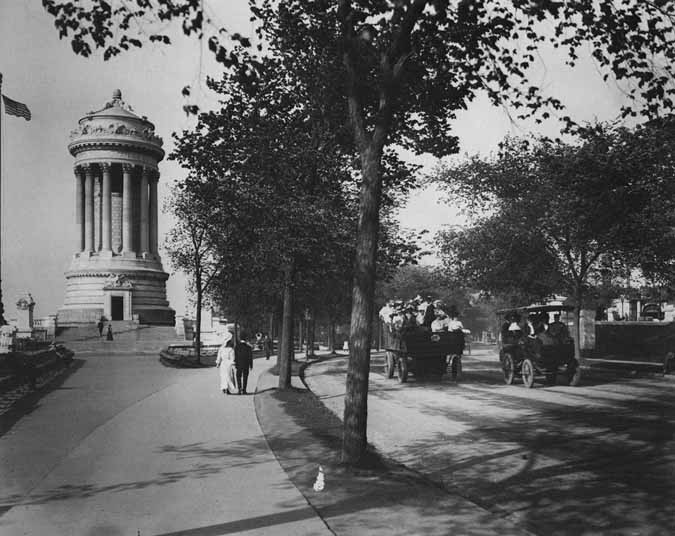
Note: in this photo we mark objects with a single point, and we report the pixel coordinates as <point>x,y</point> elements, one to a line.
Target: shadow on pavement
<point>563,470</point>
<point>209,461</point>
<point>251,523</point>
<point>380,497</point>
<point>31,401</point>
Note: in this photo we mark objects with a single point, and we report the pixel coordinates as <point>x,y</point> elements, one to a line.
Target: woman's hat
<point>227,337</point>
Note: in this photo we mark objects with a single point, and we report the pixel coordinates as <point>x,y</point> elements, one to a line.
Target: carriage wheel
<point>402,369</point>
<point>389,365</point>
<point>509,368</point>
<point>551,377</point>
<point>456,367</point>
<point>574,374</point>
<point>527,371</point>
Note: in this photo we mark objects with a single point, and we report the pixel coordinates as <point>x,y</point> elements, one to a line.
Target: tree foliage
<point>564,215</point>
<point>403,69</point>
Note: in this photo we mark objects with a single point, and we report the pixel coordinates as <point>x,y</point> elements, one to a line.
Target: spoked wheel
<point>509,368</point>
<point>402,369</point>
<point>456,367</point>
<point>389,365</point>
<point>527,371</point>
<point>574,374</point>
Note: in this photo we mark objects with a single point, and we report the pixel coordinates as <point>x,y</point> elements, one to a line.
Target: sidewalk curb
<point>385,498</point>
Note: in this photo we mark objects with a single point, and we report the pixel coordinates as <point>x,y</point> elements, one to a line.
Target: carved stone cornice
<point>78,147</point>
<point>131,274</point>
<point>87,130</point>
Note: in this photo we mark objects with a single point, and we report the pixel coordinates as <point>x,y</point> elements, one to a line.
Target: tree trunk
<point>378,323</point>
<point>578,296</point>
<point>198,327</point>
<point>301,335</point>
<point>287,345</point>
<point>310,337</point>
<point>331,336</point>
<point>271,331</point>
<point>354,441</point>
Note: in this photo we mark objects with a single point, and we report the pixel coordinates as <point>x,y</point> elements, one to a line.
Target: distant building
<point>116,271</point>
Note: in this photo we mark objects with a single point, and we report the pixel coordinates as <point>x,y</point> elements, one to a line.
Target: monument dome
<point>116,271</point>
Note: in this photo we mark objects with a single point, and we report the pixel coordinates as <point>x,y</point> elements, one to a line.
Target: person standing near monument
<point>243,360</point>
<point>100,327</point>
<point>109,336</point>
<point>225,364</point>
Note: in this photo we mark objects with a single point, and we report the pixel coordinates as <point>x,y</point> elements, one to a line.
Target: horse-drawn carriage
<point>541,354</point>
<point>423,353</point>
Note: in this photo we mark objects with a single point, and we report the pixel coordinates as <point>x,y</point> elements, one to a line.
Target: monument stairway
<point>128,337</point>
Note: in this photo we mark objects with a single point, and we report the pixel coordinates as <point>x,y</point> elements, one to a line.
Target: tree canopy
<point>403,69</point>
<point>560,214</point>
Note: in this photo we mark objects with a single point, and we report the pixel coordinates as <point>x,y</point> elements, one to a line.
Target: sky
<point>38,185</point>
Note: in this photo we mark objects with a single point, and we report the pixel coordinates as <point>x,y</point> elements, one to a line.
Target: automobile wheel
<point>527,371</point>
<point>456,367</point>
<point>389,365</point>
<point>509,368</point>
<point>551,378</point>
<point>574,374</point>
<point>402,369</point>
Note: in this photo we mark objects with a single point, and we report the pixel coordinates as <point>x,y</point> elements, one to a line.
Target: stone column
<point>106,212</point>
<point>143,201</point>
<point>153,214</point>
<point>127,208</point>
<point>79,210</point>
<point>88,208</point>
<point>98,209</point>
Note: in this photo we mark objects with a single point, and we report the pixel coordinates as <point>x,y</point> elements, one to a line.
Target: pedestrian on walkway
<point>100,327</point>
<point>225,364</point>
<point>243,359</point>
<point>108,335</point>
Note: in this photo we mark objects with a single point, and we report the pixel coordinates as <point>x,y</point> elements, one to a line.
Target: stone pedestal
<point>7,337</point>
<point>24,315</point>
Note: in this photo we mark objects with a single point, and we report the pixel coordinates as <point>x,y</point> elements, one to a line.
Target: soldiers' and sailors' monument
<point>116,271</point>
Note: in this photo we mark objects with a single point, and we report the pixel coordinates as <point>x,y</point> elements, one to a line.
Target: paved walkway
<point>125,446</point>
<point>559,460</point>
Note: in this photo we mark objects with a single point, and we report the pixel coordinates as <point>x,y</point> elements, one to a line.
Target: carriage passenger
<point>455,324</point>
<point>557,329</point>
<point>409,322</point>
<point>440,323</point>
<point>544,336</point>
<point>514,332</point>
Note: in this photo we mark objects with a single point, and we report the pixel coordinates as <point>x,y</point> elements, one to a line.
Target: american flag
<point>18,109</point>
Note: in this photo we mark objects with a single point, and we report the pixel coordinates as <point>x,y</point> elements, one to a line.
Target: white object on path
<point>320,481</point>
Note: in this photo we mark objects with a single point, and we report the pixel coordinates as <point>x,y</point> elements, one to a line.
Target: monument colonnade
<point>107,224</point>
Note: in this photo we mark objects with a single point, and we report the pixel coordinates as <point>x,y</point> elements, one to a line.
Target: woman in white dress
<point>225,363</point>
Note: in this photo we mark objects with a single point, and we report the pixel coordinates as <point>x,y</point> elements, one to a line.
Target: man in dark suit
<point>243,361</point>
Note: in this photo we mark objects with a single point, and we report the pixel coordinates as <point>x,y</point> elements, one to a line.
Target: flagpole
<point>2,306</point>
